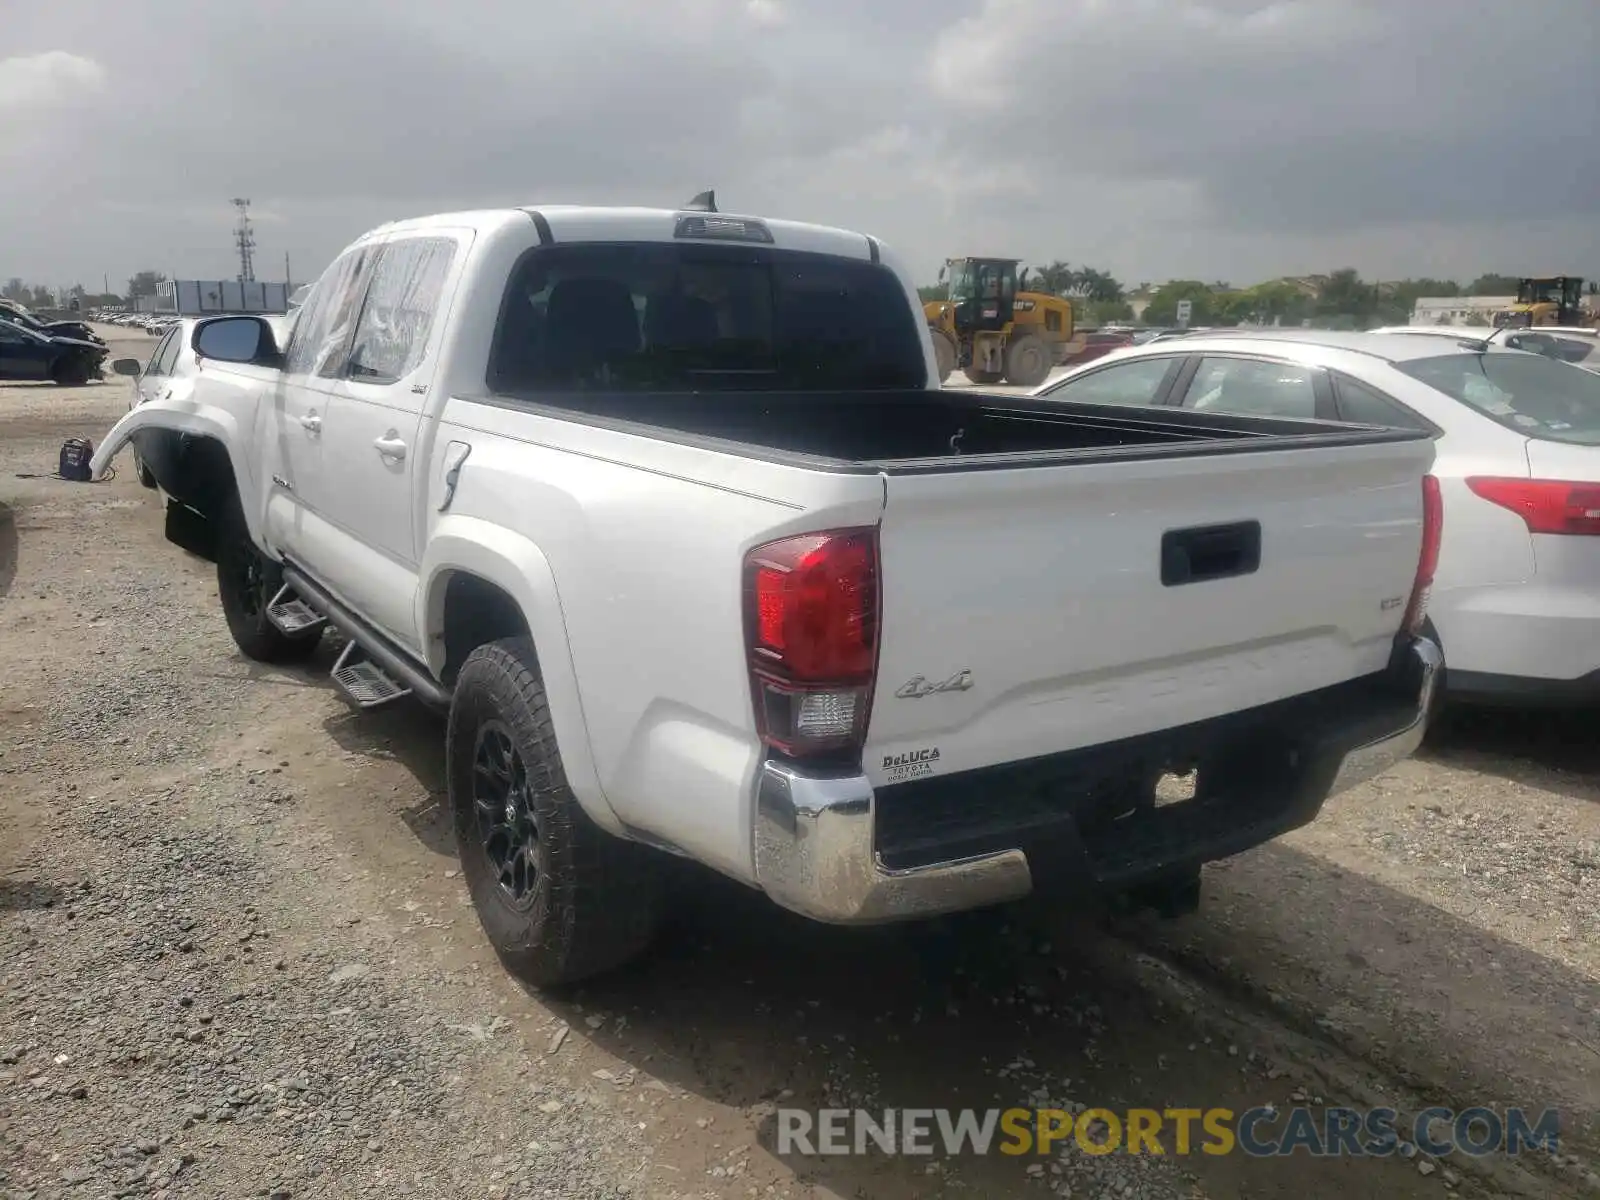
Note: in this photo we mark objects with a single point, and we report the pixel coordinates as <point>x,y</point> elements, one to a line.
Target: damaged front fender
<point>198,420</point>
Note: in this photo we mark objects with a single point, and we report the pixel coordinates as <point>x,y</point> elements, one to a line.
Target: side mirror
<point>127,366</point>
<point>236,340</point>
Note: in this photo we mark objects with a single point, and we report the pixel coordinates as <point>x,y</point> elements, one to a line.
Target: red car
<point>1097,344</point>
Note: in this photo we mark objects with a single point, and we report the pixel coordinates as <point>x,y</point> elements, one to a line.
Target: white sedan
<point>1575,344</point>
<point>1516,596</point>
<point>170,369</point>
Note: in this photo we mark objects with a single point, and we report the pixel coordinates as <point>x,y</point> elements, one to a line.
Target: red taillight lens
<point>1547,505</point>
<point>1428,559</point>
<point>811,622</point>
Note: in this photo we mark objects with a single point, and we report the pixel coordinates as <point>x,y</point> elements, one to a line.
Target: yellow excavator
<point>992,328</point>
<point>1553,300</point>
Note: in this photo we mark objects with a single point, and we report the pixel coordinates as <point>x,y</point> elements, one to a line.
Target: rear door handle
<point>390,446</point>
<point>311,423</point>
<point>1210,552</point>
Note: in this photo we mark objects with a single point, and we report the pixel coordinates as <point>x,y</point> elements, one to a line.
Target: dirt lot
<point>236,958</point>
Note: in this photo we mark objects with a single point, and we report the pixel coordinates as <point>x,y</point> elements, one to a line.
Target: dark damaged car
<point>29,356</point>
<point>81,330</point>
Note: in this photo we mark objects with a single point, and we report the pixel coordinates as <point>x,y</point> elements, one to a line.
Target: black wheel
<point>72,371</point>
<point>246,583</point>
<point>1028,360</point>
<point>944,353</point>
<point>142,471</point>
<point>559,898</point>
<point>1436,706</point>
<point>981,377</point>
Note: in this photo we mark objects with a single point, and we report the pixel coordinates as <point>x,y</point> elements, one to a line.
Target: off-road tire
<point>246,582</point>
<point>594,901</point>
<point>944,354</point>
<point>1028,360</point>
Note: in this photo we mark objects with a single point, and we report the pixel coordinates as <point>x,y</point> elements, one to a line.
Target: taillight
<point>1428,559</point>
<point>811,628</point>
<point>1547,505</point>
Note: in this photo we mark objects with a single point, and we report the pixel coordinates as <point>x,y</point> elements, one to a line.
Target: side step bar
<point>292,615</point>
<point>363,680</point>
<point>399,673</point>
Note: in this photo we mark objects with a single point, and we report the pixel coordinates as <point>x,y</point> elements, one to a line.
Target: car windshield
<point>1535,396</point>
<point>693,317</point>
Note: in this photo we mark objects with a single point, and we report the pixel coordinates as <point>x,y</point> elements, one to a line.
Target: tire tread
<point>598,900</point>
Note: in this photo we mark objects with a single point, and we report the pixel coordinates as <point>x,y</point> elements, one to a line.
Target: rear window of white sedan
<point>1535,396</point>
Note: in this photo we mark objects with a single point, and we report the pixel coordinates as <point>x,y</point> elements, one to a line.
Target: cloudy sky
<point>1219,139</point>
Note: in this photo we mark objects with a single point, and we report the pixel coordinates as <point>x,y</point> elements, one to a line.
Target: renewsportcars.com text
<point>1257,1132</point>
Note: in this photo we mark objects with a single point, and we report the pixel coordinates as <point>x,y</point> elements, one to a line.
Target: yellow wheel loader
<point>1554,300</point>
<point>992,328</point>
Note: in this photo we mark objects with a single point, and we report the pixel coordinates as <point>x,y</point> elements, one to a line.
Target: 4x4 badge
<point>918,686</point>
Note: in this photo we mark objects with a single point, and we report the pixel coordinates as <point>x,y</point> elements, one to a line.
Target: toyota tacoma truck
<point>667,512</point>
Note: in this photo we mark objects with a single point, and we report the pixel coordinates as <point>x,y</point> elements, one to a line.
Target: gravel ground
<point>236,958</point>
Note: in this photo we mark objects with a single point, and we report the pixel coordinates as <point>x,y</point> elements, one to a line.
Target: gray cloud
<point>1228,139</point>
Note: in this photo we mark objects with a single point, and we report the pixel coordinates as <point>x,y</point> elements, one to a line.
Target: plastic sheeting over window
<point>392,335</point>
<point>322,331</point>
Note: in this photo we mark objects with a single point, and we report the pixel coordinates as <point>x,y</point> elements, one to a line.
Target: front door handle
<point>390,446</point>
<point>311,423</point>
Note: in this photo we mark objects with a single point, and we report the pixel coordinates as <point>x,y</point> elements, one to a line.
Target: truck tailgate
<point>1024,611</point>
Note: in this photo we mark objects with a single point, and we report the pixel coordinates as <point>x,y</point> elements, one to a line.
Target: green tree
<point>1103,312</point>
<point>1094,284</point>
<point>1493,285</point>
<point>144,283</point>
<point>1163,307</point>
<point>1345,294</point>
<point>1279,302</point>
<point>1056,278</point>
<point>1236,307</point>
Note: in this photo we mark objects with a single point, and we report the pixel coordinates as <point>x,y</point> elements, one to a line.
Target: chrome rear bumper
<point>814,839</point>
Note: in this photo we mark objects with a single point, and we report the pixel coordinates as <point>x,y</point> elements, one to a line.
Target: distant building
<point>1458,310</point>
<point>199,297</point>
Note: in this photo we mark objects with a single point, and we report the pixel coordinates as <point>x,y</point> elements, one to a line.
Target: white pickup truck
<point>664,509</point>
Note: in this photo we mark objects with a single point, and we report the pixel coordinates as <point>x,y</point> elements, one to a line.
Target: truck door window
<point>1253,386</point>
<point>693,317</point>
<point>1137,382</point>
<point>397,314</point>
<point>322,331</point>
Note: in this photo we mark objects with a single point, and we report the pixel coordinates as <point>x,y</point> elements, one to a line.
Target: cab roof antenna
<point>705,202</point>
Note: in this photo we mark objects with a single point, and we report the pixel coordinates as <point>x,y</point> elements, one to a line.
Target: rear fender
<point>183,415</point>
<point>519,568</point>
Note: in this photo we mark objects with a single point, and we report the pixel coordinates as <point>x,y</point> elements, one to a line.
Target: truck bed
<point>912,431</point>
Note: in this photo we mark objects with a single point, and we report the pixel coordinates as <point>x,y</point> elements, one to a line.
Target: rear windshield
<point>692,317</point>
<point>1554,345</point>
<point>1535,396</point>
